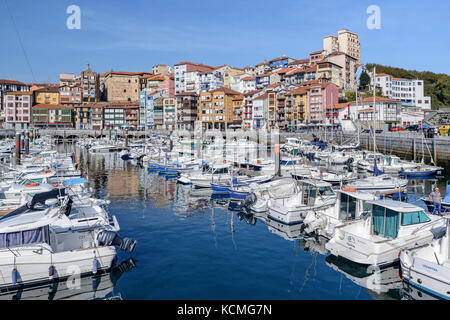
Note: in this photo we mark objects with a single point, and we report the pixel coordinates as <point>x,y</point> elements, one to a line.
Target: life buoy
<point>46,171</point>
<point>31,184</point>
<point>55,185</point>
<point>348,189</point>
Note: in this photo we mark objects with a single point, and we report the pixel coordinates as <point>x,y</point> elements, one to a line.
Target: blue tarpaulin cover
<point>69,182</point>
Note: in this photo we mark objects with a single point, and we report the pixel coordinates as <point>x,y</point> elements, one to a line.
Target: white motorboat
<point>377,239</point>
<point>381,183</point>
<point>428,268</point>
<point>39,243</point>
<point>219,173</point>
<point>310,195</point>
<point>257,201</point>
<point>350,206</point>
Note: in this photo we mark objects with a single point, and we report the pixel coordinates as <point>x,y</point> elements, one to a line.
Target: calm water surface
<point>192,247</point>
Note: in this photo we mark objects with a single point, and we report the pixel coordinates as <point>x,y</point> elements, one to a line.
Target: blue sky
<point>135,35</point>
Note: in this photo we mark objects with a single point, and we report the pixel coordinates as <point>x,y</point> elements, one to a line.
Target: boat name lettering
<point>428,267</point>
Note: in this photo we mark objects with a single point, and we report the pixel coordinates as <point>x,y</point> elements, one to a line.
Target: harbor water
<point>191,246</point>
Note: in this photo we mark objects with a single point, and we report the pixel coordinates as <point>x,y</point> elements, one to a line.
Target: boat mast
<point>374,123</point>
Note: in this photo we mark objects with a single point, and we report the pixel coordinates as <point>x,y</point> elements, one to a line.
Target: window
<point>415,217</point>
<point>20,238</point>
<point>385,222</point>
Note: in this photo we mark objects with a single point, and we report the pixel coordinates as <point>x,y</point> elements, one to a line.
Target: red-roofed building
<point>181,68</point>
<point>319,96</point>
<point>50,115</point>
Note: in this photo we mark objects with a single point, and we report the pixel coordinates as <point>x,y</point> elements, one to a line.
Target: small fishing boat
<point>39,243</point>
<point>428,267</point>
<point>377,239</point>
<point>309,195</point>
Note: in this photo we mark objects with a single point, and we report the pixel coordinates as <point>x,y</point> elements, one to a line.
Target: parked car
<point>396,129</point>
<point>412,127</point>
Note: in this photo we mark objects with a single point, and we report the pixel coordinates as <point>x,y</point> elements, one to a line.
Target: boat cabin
<point>312,190</point>
<point>353,204</point>
<point>393,218</point>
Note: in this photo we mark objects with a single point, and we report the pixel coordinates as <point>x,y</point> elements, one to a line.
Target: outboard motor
<point>249,200</point>
<point>111,238</point>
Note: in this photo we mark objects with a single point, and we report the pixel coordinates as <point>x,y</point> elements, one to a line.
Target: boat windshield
<point>385,221</point>
<point>347,207</point>
<point>25,237</point>
<point>326,191</point>
<point>415,217</point>
<point>220,171</point>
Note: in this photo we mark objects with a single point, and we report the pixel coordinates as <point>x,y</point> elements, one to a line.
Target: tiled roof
<point>212,70</point>
<point>261,97</point>
<point>19,93</point>
<point>192,63</point>
<point>249,78</point>
<point>225,90</point>
<point>377,99</point>
<point>338,106</point>
<point>51,106</point>
<point>13,82</point>
<point>382,75</point>
<point>48,89</point>
<point>317,52</point>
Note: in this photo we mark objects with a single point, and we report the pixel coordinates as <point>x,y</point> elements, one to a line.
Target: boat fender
<point>14,276</point>
<point>51,271</point>
<point>95,266</point>
<point>31,184</point>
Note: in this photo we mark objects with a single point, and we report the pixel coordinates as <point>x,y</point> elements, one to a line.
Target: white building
<point>410,92</point>
<point>410,115</point>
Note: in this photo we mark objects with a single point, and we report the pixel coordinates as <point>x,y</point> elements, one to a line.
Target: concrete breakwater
<point>410,146</point>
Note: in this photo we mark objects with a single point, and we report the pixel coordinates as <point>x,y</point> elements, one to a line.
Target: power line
<point>20,41</point>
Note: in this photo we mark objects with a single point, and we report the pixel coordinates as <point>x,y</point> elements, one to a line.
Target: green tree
<point>364,79</point>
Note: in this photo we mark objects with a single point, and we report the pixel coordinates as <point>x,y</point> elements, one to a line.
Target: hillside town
<point>283,92</point>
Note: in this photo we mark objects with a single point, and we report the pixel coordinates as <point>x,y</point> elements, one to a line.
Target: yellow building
<point>296,106</point>
<point>331,72</point>
<point>216,109</point>
<point>47,95</point>
<point>229,73</point>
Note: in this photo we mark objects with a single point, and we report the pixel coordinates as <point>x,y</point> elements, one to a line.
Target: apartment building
<point>147,98</point>
<point>51,115</point>
<point>331,72</point>
<point>169,113</point>
<point>70,95</point>
<point>296,106</point>
<point>346,41</point>
<point>10,86</point>
<point>409,91</point>
<point>319,97</point>
<point>90,84</point>
<point>121,114</point>
<point>215,110</point>
<point>162,69</point>
<point>180,70</point>
<point>348,72</point>
<point>186,110</point>
<point>89,116</point>
<point>17,111</point>
<point>46,95</point>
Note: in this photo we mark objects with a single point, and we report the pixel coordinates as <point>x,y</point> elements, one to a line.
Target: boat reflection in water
<point>86,288</point>
<point>382,283</point>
